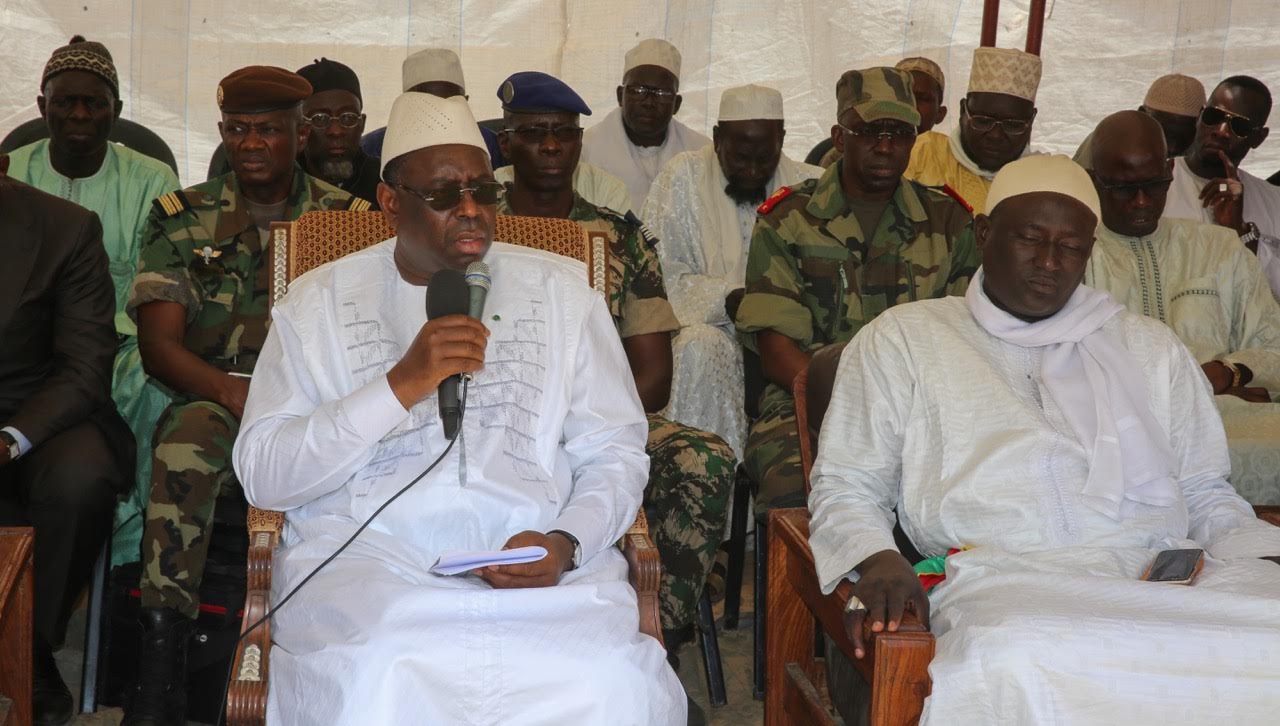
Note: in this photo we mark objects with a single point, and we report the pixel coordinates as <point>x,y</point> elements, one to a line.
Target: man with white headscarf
<point>641,135</point>
<point>342,414</point>
<point>1055,443</point>
<point>996,117</point>
<point>702,208</point>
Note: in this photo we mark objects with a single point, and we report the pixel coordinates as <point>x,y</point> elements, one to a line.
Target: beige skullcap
<point>432,64</point>
<point>420,120</point>
<point>750,103</point>
<point>1177,94</point>
<point>1043,173</point>
<point>1005,70</point>
<point>653,52</point>
<point>925,66</point>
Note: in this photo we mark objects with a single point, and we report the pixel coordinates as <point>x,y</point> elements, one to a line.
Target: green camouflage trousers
<point>686,502</point>
<point>191,468</point>
<point>772,452</point>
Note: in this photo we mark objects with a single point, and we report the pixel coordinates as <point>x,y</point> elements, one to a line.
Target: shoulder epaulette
<point>648,236</point>
<point>359,205</point>
<point>946,189</point>
<point>767,205</point>
<point>171,204</point>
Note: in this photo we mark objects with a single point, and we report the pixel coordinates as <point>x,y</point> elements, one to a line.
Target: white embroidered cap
<point>653,52</point>
<point>749,103</point>
<point>420,120</point>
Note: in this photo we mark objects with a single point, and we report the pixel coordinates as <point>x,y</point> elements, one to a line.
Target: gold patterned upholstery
<point>316,238</point>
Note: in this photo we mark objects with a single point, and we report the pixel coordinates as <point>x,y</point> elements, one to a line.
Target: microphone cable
<point>271,611</point>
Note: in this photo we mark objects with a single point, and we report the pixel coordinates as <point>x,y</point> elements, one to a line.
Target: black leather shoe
<point>51,700</point>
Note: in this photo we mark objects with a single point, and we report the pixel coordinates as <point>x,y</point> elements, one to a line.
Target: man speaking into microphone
<point>343,412</point>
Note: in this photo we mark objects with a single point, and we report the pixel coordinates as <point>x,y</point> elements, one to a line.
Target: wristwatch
<point>1237,375</point>
<point>577,547</point>
<point>1251,233</point>
<point>11,444</point>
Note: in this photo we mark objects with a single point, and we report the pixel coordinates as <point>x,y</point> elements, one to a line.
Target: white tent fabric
<point>1100,55</point>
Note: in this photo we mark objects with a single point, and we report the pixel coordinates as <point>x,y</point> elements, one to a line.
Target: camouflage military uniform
<point>815,277</point>
<point>690,471</point>
<point>202,250</point>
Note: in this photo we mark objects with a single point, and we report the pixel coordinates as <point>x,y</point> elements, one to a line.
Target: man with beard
<point>1208,184</point>
<point>829,255</point>
<point>334,112</point>
<point>1199,280</point>
<point>639,137</point>
<point>995,126</point>
<point>690,471</point>
<point>703,207</point>
<point>200,300</point>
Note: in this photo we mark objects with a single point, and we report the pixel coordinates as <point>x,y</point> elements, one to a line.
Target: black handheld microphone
<point>447,295</point>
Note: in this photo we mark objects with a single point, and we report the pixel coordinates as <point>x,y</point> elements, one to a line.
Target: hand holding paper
<point>456,563</point>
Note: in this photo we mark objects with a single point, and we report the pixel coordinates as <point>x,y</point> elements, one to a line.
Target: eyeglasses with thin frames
<point>347,120</point>
<point>535,134</point>
<point>984,124</point>
<point>660,94</point>
<point>1128,190</point>
<point>446,198</point>
<point>894,134</point>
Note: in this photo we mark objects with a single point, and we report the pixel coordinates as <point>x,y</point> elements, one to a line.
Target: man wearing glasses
<point>334,112</point>
<point>200,302</point>
<point>1208,184</point>
<point>639,137</point>
<point>690,471</point>
<point>829,255</point>
<point>1199,280</point>
<point>995,126</point>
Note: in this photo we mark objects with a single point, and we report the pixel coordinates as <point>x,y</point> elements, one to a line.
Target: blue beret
<point>534,92</point>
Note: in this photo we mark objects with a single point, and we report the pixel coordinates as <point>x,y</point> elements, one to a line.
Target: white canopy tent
<point>1100,55</point>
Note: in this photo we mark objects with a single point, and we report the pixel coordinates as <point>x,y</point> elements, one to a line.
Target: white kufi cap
<point>750,103</point>
<point>1044,173</point>
<point>420,120</point>
<point>432,64</point>
<point>653,52</point>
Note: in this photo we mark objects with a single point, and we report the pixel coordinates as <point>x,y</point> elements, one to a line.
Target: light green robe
<point>120,193</point>
<point>1201,281</point>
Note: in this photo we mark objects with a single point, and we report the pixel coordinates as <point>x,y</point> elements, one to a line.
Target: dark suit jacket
<point>57,336</point>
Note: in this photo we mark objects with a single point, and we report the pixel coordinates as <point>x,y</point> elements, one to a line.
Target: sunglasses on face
<point>346,120</point>
<point>446,198</point>
<point>1126,191</point>
<point>1213,117</point>
<point>659,94</point>
<point>535,134</point>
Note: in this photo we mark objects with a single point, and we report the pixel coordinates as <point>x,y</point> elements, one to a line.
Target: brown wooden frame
<point>17,603</point>
<point>247,693</point>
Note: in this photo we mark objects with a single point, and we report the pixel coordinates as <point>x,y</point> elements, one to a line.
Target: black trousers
<point>66,489</point>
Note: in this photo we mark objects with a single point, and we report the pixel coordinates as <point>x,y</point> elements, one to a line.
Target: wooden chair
<point>17,552</point>
<point>319,237</point>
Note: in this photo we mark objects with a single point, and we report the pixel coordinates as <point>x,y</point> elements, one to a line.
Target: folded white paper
<point>455,563</point>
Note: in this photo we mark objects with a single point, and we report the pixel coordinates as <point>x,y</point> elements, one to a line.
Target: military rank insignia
<point>207,254</point>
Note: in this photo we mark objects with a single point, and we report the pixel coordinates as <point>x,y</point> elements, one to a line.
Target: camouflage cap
<point>877,93</point>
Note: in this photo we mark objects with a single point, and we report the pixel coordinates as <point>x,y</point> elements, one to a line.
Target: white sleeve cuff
<point>24,444</point>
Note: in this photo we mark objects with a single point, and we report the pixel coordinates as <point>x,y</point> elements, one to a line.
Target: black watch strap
<point>577,547</point>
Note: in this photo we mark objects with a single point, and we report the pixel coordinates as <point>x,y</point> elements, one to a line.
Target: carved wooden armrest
<point>896,665</point>
<point>247,694</point>
<point>645,567</point>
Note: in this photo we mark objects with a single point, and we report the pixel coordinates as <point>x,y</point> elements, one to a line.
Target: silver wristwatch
<point>11,444</point>
<point>577,547</point>
<point>1251,233</point>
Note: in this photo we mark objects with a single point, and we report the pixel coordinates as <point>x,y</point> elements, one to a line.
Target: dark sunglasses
<point>1125,192</point>
<point>442,200</point>
<point>535,134</point>
<point>1213,116</point>
<point>347,120</point>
